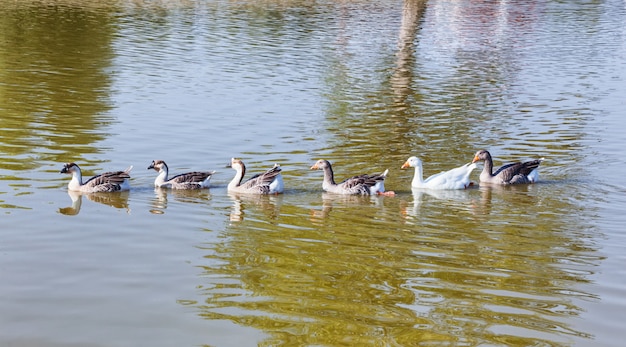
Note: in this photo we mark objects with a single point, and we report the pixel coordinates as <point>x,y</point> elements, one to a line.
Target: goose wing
<point>262,179</point>
<point>112,178</point>
<point>192,177</point>
<point>371,180</point>
<point>459,176</point>
<point>529,166</point>
<point>355,181</point>
<point>507,172</point>
<point>362,183</point>
<point>437,178</point>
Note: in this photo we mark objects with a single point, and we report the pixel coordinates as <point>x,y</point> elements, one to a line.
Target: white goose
<point>268,182</point>
<point>514,173</point>
<point>357,185</point>
<point>457,178</point>
<point>188,180</point>
<point>105,182</point>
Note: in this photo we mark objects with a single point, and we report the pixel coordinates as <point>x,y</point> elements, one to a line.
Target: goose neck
<point>77,180</point>
<point>240,172</point>
<point>418,175</point>
<point>329,176</point>
<point>162,176</point>
<point>488,165</point>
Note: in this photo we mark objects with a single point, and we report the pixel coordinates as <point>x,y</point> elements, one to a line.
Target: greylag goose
<point>188,180</point>
<point>357,185</point>
<point>514,173</point>
<point>105,182</point>
<point>268,182</point>
<point>457,178</point>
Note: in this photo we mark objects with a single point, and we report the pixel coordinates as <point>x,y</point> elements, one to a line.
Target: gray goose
<point>188,180</point>
<point>106,182</point>
<point>268,182</point>
<point>357,185</point>
<point>514,173</point>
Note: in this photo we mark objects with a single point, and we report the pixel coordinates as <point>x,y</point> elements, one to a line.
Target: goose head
<point>412,162</point>
<point>236,164</point>
<point>70,168</point>
<point>157,165</point>
<point>481,155</point>
<point>321,165</point>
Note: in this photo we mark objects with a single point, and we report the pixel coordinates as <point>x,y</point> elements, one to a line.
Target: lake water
<point>362,84</point>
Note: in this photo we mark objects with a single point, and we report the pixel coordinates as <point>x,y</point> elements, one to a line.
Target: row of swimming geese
<point>271,181</point>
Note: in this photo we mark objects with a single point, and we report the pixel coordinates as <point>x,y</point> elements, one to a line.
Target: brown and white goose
<point>268,182</point>
<point>514,173</point>
<point>188,180</point>
<point>106,182</point>
<point>357,185</point>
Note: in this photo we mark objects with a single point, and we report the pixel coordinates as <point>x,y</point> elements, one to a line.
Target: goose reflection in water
<point>117,200</point>
<point>161,197</point>
<point>331,201</point>
<point>498,197</point>
<point>269,205</point>
<point>458,197</point>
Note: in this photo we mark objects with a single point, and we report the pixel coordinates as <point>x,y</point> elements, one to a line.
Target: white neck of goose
<point>241,171</point>
<point>77,179</point>
<point>418,176</point>
<point>162,176</point>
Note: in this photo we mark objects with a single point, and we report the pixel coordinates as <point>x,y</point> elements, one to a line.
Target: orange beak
<point>475,159</point>
<point>405,165</point>
<point>314,167</point>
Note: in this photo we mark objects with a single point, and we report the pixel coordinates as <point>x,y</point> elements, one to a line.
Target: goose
<point>457,178</point>
<point>514,173</point>
<point>268,182</point>
<point>358,185</point>
<point>188,180</point>
<point>105,182</point>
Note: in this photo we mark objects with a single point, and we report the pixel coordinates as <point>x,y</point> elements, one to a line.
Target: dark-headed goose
<point>514,173</point>
<point>188,180</point>
<point>105,182</point>
<point>357,185</point>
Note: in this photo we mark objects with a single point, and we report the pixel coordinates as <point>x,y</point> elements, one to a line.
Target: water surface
<point>364,85</point>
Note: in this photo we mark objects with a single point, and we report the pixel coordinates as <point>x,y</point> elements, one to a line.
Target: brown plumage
<point>188,180</point>
<point>268,182</point>
<point>357,185</point>
<point>106,182</point>
<point>514,173</point>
